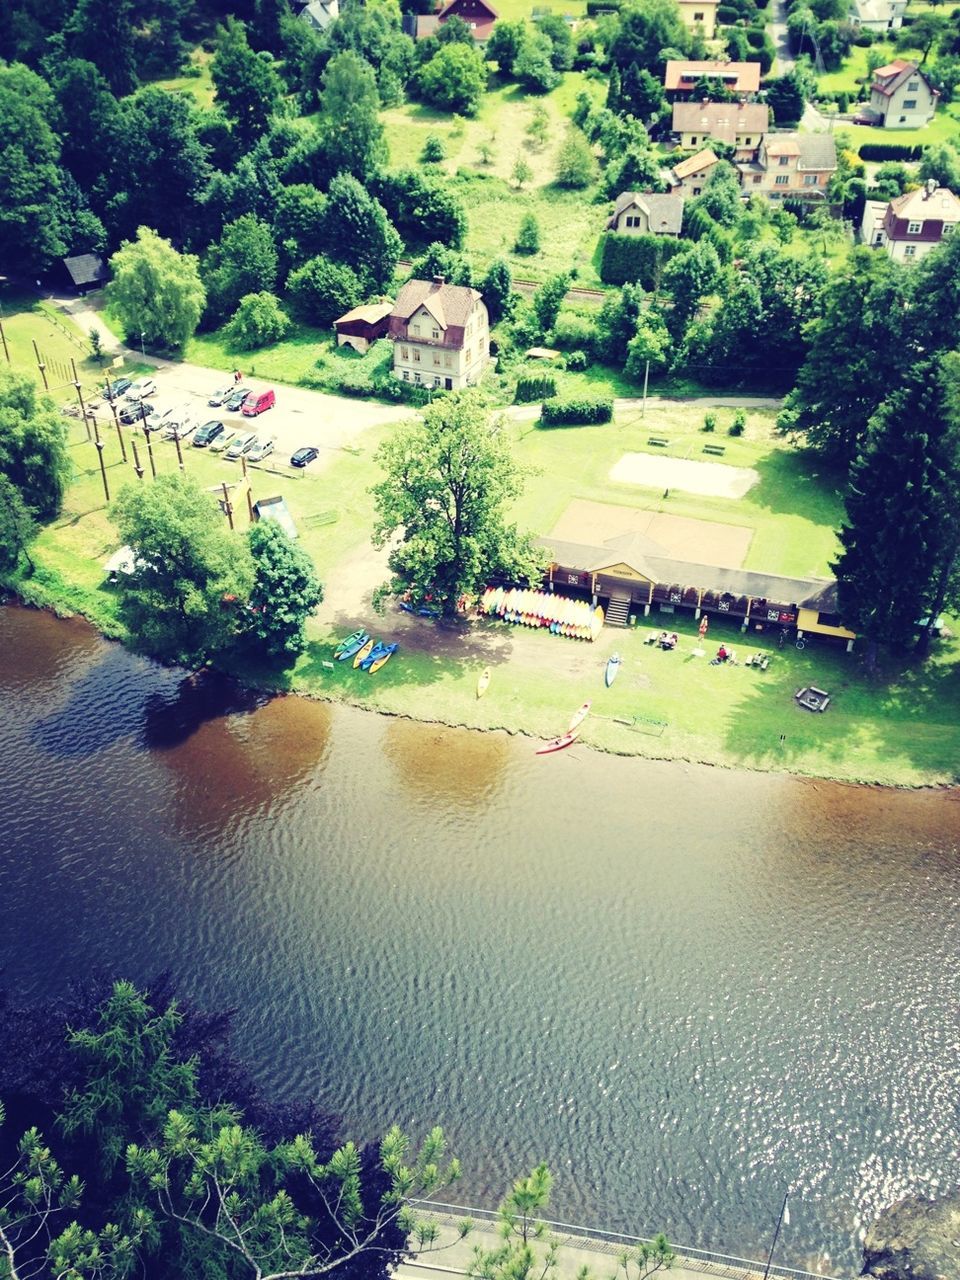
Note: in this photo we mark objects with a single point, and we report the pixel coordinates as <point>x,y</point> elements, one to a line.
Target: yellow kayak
<point>362,653</point>
<point>483,684</point>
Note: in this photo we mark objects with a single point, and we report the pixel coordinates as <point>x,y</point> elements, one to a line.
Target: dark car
<point>134,410</point>
<point>304,456</point>
<point>235,402</point>
<point>207,434</point>
<point>114,391</point>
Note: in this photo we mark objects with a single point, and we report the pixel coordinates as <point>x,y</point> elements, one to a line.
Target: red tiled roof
<point>743,76</point>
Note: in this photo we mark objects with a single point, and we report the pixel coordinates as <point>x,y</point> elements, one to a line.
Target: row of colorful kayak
<point>367,654</point>
<point>562,616</point>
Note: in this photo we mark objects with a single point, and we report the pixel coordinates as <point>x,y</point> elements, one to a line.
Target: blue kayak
<point>353,644</point>
<point>379,650</point>
<point>613,667</point>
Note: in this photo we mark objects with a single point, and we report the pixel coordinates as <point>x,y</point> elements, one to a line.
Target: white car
<point>261,451</point>
<point>224,393</point>
<point>142,389</point>
<point>178,430</point>
<point>223,440</point>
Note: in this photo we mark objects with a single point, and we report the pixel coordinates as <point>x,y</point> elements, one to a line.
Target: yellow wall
<point>809,620</point>
<point>709,21</point>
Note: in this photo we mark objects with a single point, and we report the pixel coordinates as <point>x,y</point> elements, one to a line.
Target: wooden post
<point>227,505</point>
<point>79,391</point>
<point>41,366</point>
<point>153,465</point>
<point>103,469</point>
<point>136,461</point>
<point>116,423</point>
<point>3,339</point>
<point>250,503</point>
<point>176,441</point>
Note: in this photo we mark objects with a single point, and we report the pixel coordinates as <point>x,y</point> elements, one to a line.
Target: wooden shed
<point>363,325</point>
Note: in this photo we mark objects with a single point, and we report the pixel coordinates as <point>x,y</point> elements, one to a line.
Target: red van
<point>257,402</point>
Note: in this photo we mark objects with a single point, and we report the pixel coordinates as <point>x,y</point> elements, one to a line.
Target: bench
<point>659,441</point>
<point>718,450</point>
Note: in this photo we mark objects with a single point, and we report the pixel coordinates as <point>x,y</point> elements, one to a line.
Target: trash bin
<point>633,619</point>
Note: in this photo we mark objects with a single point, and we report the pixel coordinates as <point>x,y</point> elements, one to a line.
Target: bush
<point>571,331</point>
<point>321,290</point>
<point>727,15</point>
<point>257,321</point>
<point>595,7</point>
<point>584,411</point>
<point>576,361</point>
<point>890,151</point>
<point>533,386</point>
<point>433,151</point>
<point>528,237</point>
<point>709,422</point>
<point>635,259</point>
<point>738,425</point>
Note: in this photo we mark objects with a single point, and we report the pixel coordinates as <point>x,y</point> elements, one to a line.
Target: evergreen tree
<point>721,195</point>
<point>613,92</point>
<point>641,93</point>
<point>358,232</point>
<point>285,592</point>
<point>528,235</point>
<point>497,290</point>
<point>351,128</point>
<point>247,87</point>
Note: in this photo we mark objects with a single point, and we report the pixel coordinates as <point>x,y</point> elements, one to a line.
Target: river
<point>687,989</point>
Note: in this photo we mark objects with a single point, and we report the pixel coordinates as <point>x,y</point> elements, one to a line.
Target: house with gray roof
<point>318,14</point>
<point>791,166</point>
<point>878,15</point>
<point>901,97</point>
<point>645,213</point>
<point>441,334</point>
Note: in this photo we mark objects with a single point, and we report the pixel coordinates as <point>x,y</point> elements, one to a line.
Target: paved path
<point>777,27</point>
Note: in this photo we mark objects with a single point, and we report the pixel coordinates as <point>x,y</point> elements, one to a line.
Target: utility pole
<point>153,465</point>
<point>103,469</point>
<point>79,391</point>
<point>784,1211</point>
<point>646,379</point>
<point>41,366</point>
<point>176,441</point>
<point>116,423</point>
<point>3,339</point>
<point>227,506</point>
<point>136,461</point>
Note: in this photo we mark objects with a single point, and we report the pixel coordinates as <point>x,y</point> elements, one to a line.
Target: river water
<point>686,989</point>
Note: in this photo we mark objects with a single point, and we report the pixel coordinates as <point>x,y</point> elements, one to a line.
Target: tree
<point>34,456</point>
<point>17,530</point>
<point>433,152</point>
<point>528,235</point>
<point>247,87</point>
<point>548,300</point>
<point>923,33</point>
<point>641,93</point>
<point>941,163</point>
<point>156,291</point>
<point>180,603</point>
<point>454,79</point>
<point>650,346</point>
<point>576,166</point>
<point>243,262</point>
<point>520,1231</point>
<point>688,278</point>
<point>618,322</point>
<point>449,482</point>
<point>351,129</point>
<point>358,232</point>
<point>285,592</point>
<point>32,215</point>
<point>85,119</point>
<point>258,321</point>
<point>533,65</point>
<point>298,222</point>
<point>418,205</point>
<point>321,290</point>
<point>497,290</point>
<point>557,31</point>
<point>504,45</point>
<point>646,30</point>
<point>538,130</point>
<point>438,260</point>
<point>102,32</point>
<point>521,173</point>
<point>721,196</point>
<point>786,98</point>
<point>901,536</point>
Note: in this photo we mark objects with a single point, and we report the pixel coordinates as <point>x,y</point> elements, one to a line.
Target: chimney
<point>929,187</point>
<point>438,282</point>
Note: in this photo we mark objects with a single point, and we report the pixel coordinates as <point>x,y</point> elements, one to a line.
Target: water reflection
<point>434,763</point>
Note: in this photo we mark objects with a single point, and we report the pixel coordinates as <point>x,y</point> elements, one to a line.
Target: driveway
<point>777,28</point>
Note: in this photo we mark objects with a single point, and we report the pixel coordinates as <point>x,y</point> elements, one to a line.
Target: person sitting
<point>674,639</point>
<point>663,640</point>
<point>722,656</point>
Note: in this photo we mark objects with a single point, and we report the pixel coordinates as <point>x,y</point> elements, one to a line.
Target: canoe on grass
<point>557,744</point>
<point>483,684</point>
<point>376,652</point>
<point>579,716</point>
<point>363,652</point>
<point>613,669</point>
<point>381,654</point>
<point>349,645</point>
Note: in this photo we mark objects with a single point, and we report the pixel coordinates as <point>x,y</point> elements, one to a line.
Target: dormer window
<point>784,161</point>
<point>914,228</point>
<point>436,334</point>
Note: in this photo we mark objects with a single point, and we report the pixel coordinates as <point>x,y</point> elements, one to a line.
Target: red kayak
<point>557,744</point>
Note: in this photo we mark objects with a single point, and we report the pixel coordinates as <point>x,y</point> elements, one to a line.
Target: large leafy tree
<point>86,119</point>
<point>454,79</point>
<point>286,591</point>
<point>449,480</point>
<point>533,64</point>
<point>901,537</point>
<point>358,232</point>
<point>298,223</point>
<point>688,278</point>
<point>181,602</point>
<point>156,291</point>
<point>321,290</point>
<point>248,88</point>
<point>243,261</point>
<point>102,32</point>
<point>33,445</point>
<point>33,219</point>
<point>350,124</point>
<point>645,31</point>
<point>17,529</point>
<point>421,208</point>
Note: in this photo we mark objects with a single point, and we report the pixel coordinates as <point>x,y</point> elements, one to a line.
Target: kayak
<point>350,644</point>
<point>557,744</point>
<point>613,669</point>
<point>579,716</point>
<point>383,653</point>
<point>376,651</point>
<point>363,652</point>
<point>483,684</point>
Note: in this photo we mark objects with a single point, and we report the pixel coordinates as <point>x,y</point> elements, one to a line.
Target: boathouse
<point>631,574</point>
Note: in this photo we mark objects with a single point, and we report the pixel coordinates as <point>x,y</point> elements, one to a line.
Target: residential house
<point>738,124</point>
<point>878,15</point>
<point>916,222</point>
<point>901,97</point>
<point>441,334</point>
<point>682,78</point>
<point>689,176</point>
<point>791,166</point>
<point>644,213</point>
<point>635,575</point>
<point>362,326</point>
<point>702,14</point>
<point>317,14</point>
<point>477,14</point>
<point>871,224</point>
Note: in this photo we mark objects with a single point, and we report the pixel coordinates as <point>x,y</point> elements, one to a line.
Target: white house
<point>441,334</point>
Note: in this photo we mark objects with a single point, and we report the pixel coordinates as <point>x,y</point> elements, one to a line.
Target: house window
<point>697,17</point>
<point>436,382</point>
<point>757,178</point>
<point>948,229</point>
<point>693,142</point>
<point>448,362</point>
<point>810,180</point>
<point>910,251</point>
<point>436,334</point>
<point>748,142</point>
<point>404,353</point>
<point>416,377</point>
<point>416,356</point>
<point>878,237</point>
<point>914,228</point>
<point>913,86</point>
<point>784,161</point>
<point>782,179</point>
<point>436,359</point>
<point>406,376</point>
<point>696,191</point>
<point>468,354</point>
<point>909,104</point>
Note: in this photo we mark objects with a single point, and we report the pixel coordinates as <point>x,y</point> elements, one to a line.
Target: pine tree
<point>613,90</point>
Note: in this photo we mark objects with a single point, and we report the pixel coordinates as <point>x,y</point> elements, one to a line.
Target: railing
<point>614,1242</point>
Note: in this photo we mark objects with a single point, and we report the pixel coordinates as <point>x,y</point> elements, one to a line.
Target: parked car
<point>241,445</point>
<point>134,410</point>
<point>207,434</point>
<point>114,391</point>
<point>223,440</point>
<point>235,400</point>
<point>258,402</point>
<point>178,427</point>
<point>142,389</point>
<point>220,397</point>
<point>304,456</point>
<point>151,421</point>
<point>260,451</point>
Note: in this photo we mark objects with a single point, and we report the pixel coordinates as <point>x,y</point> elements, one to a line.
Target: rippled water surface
<point>686,989</point>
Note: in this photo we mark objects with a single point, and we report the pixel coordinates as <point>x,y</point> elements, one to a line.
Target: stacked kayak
<point>562,616</point>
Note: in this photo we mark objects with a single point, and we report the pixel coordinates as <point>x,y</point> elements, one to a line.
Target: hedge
<point>534,386</point>
<point>890,151</point>
<point>601,6</point>
<point>636,259</point>
<point>571,413</point>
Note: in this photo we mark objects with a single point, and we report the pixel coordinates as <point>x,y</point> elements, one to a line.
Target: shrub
<point>321,290</point>
<point>576,361</point>
<point>433,151</point>
<point>709,422</point>
<point>534,386</point>
<point>890,151</point>
<point>738,425</point>
<point>528,237</point>
<point>636,259</point>
<point>583,411</point>
<point>727,15</point>
<point>572,331</point>
<point>257,321</point>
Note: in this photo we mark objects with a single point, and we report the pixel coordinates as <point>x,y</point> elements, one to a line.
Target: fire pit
<point>813,699</point>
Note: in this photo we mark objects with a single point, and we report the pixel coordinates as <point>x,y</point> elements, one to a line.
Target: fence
<point>612,1243</point>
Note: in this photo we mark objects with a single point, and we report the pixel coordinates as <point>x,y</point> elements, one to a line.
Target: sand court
<point>700,541</point>
<point>710,479</point>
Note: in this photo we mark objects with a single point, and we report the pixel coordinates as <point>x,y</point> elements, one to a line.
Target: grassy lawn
<point>28,319</point>
<point>287,361</point>
<point>197,85</point>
